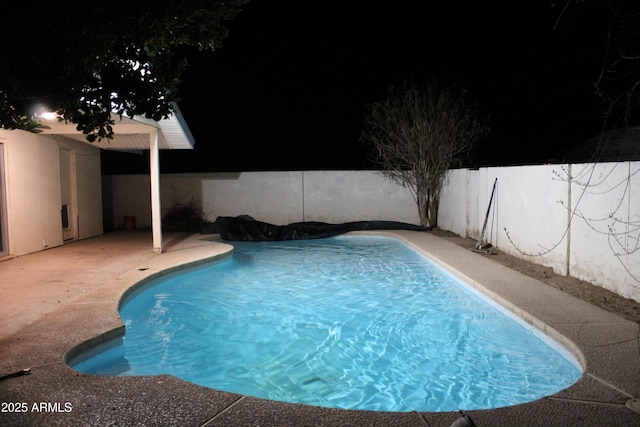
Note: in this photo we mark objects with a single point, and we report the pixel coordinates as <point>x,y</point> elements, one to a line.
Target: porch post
<point>154,168</point>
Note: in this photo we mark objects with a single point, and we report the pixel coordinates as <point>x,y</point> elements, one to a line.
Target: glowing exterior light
<point>40,111</point>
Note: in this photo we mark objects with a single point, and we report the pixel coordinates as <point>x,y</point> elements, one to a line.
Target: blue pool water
<point>347,322</point>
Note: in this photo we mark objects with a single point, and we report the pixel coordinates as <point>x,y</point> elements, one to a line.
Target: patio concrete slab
<point>39,283</point>
<point>40,335</point>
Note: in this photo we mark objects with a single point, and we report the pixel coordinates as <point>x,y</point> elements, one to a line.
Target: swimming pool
<point>349,322</point>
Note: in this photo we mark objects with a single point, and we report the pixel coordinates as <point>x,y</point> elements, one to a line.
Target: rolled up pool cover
<point>245,228</point>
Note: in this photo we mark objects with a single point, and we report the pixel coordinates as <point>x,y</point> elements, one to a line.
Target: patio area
<point>55,300</point>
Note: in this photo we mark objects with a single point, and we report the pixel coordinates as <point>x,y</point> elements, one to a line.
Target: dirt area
<point>607,300</point>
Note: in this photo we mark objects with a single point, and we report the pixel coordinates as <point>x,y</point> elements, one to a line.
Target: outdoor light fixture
<point>48,115</point>
<point>40,112</point>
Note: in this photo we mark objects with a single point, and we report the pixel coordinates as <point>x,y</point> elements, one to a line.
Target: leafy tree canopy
<point>84,60</point>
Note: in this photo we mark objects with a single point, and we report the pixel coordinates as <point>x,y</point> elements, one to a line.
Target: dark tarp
<point>245,228</point>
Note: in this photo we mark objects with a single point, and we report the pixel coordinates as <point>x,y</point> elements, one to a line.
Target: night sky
<point>288,89</point>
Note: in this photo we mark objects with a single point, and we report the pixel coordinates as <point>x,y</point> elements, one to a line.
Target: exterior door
<point>68,186</point>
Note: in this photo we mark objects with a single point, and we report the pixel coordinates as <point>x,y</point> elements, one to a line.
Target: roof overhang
<point>132,133</point>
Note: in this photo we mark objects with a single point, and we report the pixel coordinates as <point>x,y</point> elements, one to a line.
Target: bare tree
<point>417,133</point>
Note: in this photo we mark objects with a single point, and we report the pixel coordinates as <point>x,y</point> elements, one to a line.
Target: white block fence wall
<point>587,227</point>
<point>274,197</point>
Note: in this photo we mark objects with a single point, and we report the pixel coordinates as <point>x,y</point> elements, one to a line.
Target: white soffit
<point>132,134</point>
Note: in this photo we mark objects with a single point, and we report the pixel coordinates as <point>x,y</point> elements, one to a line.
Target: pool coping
<point>606,345</point>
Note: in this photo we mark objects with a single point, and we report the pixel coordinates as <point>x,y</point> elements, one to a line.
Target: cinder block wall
<point>273,197</point>
<point>585,227</point>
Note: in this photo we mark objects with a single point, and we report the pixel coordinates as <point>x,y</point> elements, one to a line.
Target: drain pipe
<point>569,217</point>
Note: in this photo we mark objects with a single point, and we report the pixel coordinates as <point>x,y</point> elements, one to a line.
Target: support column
<point>154,168</point>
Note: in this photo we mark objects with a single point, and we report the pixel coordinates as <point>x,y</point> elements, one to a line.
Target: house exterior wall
<point>88,187</point>
<point>33,191</point>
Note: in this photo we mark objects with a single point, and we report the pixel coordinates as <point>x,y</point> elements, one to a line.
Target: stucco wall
<point>32,174</point>
<point>585,227</point>
<point>88,187</point>
<point>33,192</point>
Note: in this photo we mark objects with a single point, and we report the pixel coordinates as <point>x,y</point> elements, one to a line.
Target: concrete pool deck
<point>55,300</point>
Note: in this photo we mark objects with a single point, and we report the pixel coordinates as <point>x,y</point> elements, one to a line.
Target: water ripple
<point>362,323</point>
